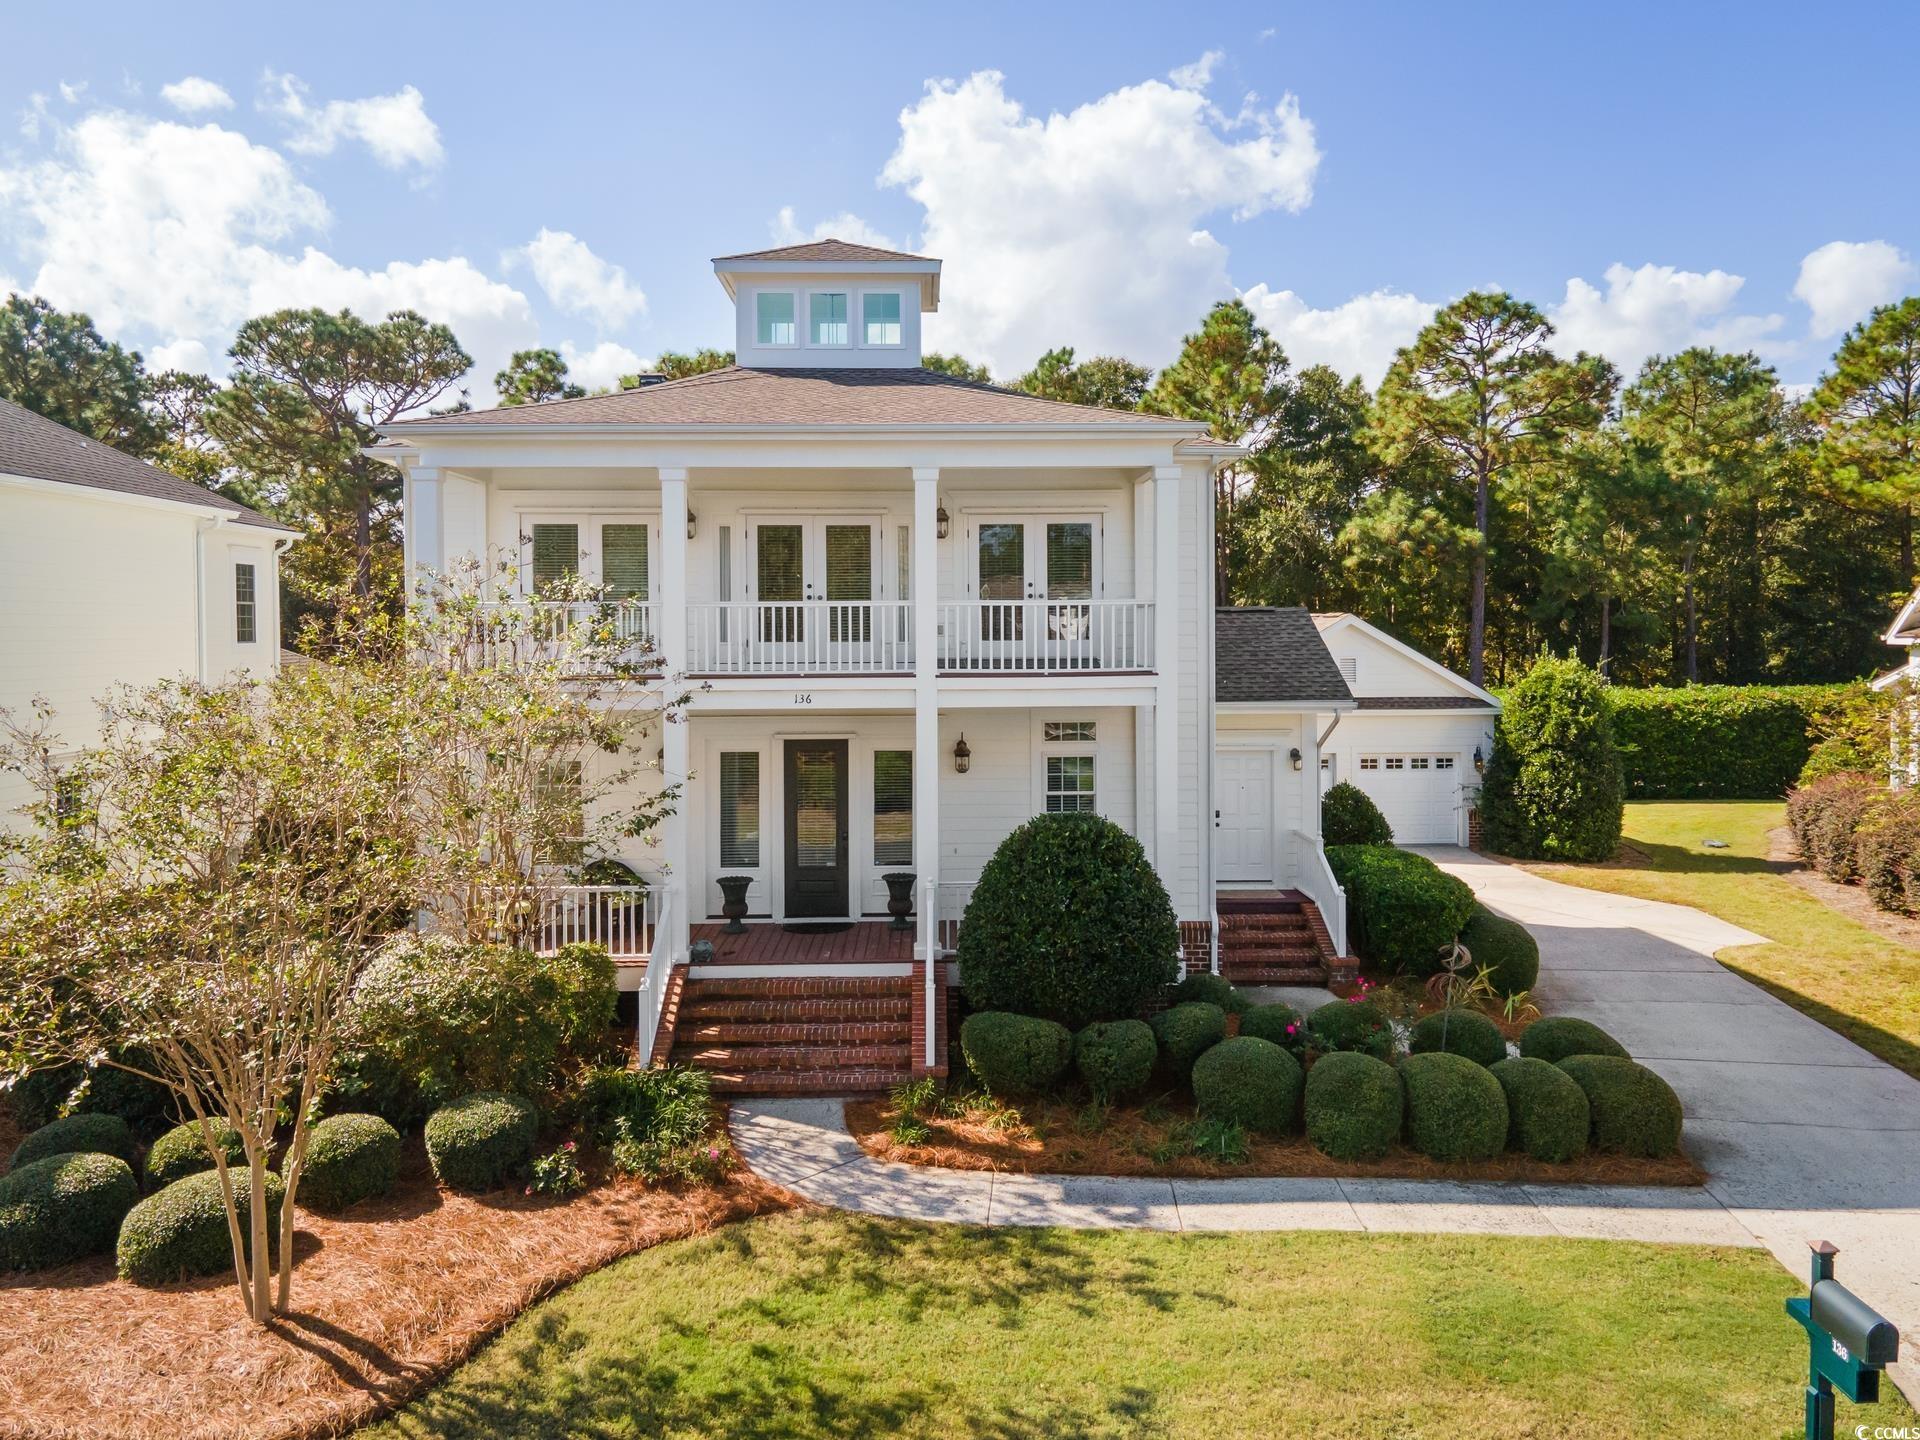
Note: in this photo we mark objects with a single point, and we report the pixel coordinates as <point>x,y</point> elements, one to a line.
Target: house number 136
<point>802,698</point>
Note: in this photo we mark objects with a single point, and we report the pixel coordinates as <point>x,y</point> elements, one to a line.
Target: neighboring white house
<point>114,571</point>
<point>1903,749</point>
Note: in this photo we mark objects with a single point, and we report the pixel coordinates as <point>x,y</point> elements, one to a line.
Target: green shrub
<point>1460,1032</point>
<point>78,1134</point>
<point>147,1106</point>
<point>1547,1111</point>
<point>1186,1032</point>
<point>1353,1106</point>
<point>1886,852</point>
<point>350,1158</point>
<point>482,1140</point>
<point>1506,947</point>
<point>1850,726</point>
<point>1068,922</point>
<point>1355,1025</point>
<point>1015,1055</point>
<point>1743,742</point>
<point>62,1208</point>
<point>1210,989</point>
<point>1402,909</point>
<point>1559,1036</point>
<point>670,1106</point>
<point>1348,816</point>
<point>1282,1024</point>
<point>1115,1057</point>
<point>182,1230</point>
<point>1634,1111</point>
<point>1827,818</point>
<point>1456,1110</point>
<point>181,1152</point>
<point>1552,789</point>
<point>1248,1081</point>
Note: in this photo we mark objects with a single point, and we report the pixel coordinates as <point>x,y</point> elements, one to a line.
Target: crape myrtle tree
<point>198,890</point>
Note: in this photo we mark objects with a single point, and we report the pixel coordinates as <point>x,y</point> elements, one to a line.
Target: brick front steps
<point>1274,938</point>
<point>804,1035</point>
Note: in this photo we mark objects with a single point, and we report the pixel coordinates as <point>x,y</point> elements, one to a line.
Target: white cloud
<point>578,281</point>
<point>844,226</point>
<point>72,92</point>
<point>395,128</point>
<point>187,354</point>
<point>1086,228</point>
<point>602,366</point>
<point>1357,337</point>
<point>1198,74</point>
<point>1657,310</point>
<point>1842,280</point>
<point>195,95</point>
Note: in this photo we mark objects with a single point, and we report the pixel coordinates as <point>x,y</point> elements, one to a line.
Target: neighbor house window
<point>1069,784</point>
<point>245,624</point>
<point>740,808</point>
<point>880,317</point>
<point>773,318</point>
<point>1057,731</point>
<point>893,807</point>
<point>828,316</point>
<point>69,801</point>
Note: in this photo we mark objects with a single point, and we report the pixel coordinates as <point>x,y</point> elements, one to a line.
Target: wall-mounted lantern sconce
<point>1479,762</point>
<point>693,523</point>
<point>962,756</point>
<point>942,523</point>
<point>1294,756</point>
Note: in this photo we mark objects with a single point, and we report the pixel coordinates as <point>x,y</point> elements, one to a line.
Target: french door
<point>813,582</point>
<point>613,551</point>
<point>1035,578</point>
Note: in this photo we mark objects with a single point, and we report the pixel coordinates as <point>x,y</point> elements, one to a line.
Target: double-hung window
<point>1070,783</point>
<point>773,317</point>
<point>827,319</point>
<point>246,622</point>
<point>880,318</point>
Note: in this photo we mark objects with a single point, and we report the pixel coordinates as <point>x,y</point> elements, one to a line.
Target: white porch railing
<point>653,984</point>
<point>521,632</point>
<point>951,908</point>
<point>624,918</point>
<point>1318,885</point>
<point>800,637</point>
<point>1045,637</point>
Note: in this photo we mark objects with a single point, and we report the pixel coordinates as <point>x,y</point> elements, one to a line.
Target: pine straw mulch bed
<point>1059,1137</point>
<point>388,1297</point>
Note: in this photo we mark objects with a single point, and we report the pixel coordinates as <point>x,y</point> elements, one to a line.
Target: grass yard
<point>1819,961</point>
<point>825,1324</point>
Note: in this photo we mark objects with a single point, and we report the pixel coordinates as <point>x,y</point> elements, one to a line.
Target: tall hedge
<point>1744,742</point>
<point>1553,788</point>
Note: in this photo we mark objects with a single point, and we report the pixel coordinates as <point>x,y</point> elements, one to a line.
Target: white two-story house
<point>913,611</point>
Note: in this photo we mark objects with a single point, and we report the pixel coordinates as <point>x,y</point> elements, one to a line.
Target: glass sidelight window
<point>740,808</point>
<point>893,807</point>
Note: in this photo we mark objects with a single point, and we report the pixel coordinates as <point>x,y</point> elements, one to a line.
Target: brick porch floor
<point>868,942</point>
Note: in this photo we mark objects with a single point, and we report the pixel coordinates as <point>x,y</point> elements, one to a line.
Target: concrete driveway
<point>1807,1136</point>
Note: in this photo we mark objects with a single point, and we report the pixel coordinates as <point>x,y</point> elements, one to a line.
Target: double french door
<point>1035,579</point>
<point>812,586</point>
<point>612,553</point>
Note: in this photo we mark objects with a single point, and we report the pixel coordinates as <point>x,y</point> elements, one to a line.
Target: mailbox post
<point>1848,1344</point>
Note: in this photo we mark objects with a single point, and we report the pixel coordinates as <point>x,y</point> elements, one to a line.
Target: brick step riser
<point>1271,955</point>
<point>1257,907</point>
<point>809,1082</point>
<point>1276,974</point>
<point>1267,937</point>
<point>749,1033</point>
<point>811,987</point>
<point>794,1012</point>
<point>793,1057</point>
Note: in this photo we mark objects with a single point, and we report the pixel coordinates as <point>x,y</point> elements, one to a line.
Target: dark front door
<point>816,828</point>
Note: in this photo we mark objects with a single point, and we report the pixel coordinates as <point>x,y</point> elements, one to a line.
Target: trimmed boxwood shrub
<point>1353,1106</point>
<point>1559,1036</point>
<point>1506,947</point>
<point>1213,990</point>
<point>1356,1025</point>
<point>1886,852</point>
<point>1402,909</point>
<point>61,1208</point>
<point>1348,816</point>
<point>1828,818</point>
<point>1115,1057</point>
<point>1634,1111</point>
<point>1552,789</point>
<point>75,1134</point>
<point>482,1140</point>
<point>1282,1024</point>
<point>1015,1055</point>
<point>349,1158</point>
<point>1186,1032</point>
<point>1248,1081</point>
<point>147,1106</point>
<point>182,1230</point>
<point>1547,1112</point>
<point>1466,1032</point>
<point>180,1152</point>
<point>1070,922</point>
<point>1456,1110</point>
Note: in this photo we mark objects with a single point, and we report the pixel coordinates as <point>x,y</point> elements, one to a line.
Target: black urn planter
<point>734,904</point>
<point>900,897</point>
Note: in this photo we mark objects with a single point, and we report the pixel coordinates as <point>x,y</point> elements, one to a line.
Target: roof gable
<point>1273,655</point>
<point>1343,628</point>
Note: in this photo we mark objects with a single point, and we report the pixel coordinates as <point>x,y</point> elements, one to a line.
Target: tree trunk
<point>1906,544</point>
<point>363,544</point>
<point>1477,618</point>
<point>1693,627</point>
<point>260,1303</point>
<point>1606,631</point>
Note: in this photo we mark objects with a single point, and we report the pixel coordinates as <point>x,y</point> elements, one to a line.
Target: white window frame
<point>798,322</point>
<point>252,602</point>
<point>899,320</point>
<point>1045,750</point>
<point>589,523</point>
<point>845,292</point>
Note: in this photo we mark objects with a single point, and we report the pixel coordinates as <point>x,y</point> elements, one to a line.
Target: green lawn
<point>1836,970</point>
<point>826,1324</point>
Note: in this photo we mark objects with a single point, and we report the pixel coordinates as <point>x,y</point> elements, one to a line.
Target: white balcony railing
<point>800,637</point>
<point>524,632</point>
<point>1045,637</point>
<point>624,918</point>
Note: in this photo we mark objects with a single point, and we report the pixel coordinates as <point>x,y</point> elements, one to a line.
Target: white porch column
<point>923,579</point>
<point>677,742</point>
<point>421,538</point>
<point>1167,662</point>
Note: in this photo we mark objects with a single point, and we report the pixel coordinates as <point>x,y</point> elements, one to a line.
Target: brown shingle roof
<point>39,449</point>
<point>740,395</point>
<point>1273,654</point>
<point>831,251</point>
<point>1423,702</point>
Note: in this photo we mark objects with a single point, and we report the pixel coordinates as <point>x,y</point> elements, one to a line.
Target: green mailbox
<point>1848,1344</point>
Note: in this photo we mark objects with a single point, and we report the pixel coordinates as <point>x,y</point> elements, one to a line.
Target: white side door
<point>1243,816</point>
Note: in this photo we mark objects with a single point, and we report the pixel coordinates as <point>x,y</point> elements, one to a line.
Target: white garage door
<point>1419,795</point>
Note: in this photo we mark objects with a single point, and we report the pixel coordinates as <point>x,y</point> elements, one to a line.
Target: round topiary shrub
<point>1014,1056</point>
<point>1211,989</point>
<point>61,1208</point>
<point>1460,1032</point>
<point>1115,1057</point>
<point>1250,1081</point>
<point>78,1134</point>
<point>482,1140</point>
<point>1456,1110</point>
<point>146,1105</point>
<point>1634,1111</point>
<point>1068,922</point>
<point>349,1158</point>
<point>1279,1023</point>
<point>1553,787</point>
<point>182,1230</point>
<point>1403,911</point>
<point>1505,947</point>
<point>1554,1039</point>
<point>1186,1032</point>
<point>1547,1113</point>
<point>180,1152</point>
<point>1348,816</point>
<point>1357,1025</point>
<point>1353,1106</point>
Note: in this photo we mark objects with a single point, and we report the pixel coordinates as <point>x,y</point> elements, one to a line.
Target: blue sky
<point>1653,175</point>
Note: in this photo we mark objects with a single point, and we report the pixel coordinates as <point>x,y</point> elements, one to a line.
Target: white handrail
<point>800,637</point>
<point>930,920</point>
<point>652,999</point>
<point>1319,886</point>
<point>1048,637</point>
